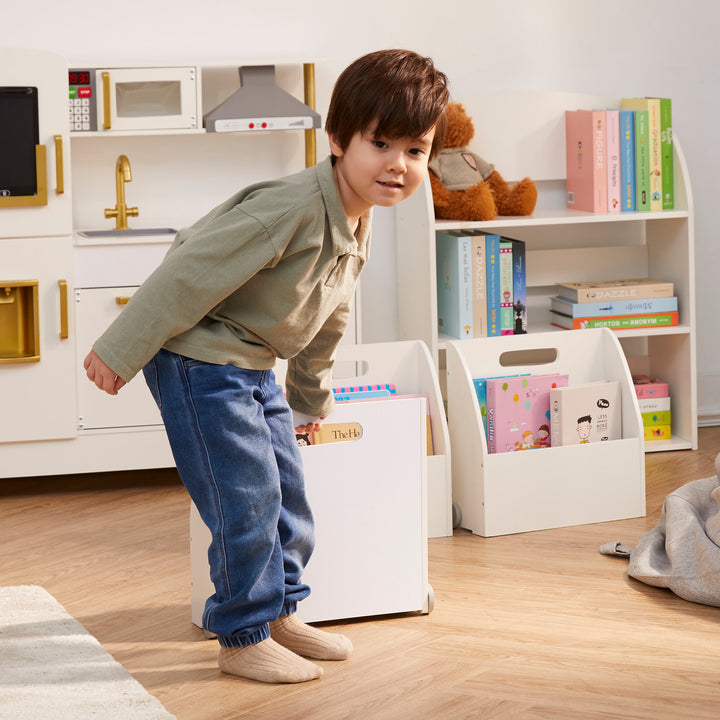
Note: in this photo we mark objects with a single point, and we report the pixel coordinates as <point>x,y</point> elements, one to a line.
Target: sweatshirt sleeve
<point>205,265</point>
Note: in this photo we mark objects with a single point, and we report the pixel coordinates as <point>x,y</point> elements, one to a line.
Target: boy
<point>271,273</point>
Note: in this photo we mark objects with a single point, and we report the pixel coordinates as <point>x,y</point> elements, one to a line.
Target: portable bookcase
<point>370,495</point>
<point>512,492</point>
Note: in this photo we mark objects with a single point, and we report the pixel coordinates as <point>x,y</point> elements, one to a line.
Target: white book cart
<point>513,492</point>
<point>373,498</point>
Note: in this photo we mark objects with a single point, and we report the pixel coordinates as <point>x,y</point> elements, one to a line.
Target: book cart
<point>374,498</point>
<point>515,492</point>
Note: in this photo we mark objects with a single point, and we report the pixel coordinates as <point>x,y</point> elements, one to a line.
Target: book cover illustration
<point>480,385</point>
<point>518,411</point>
<point>586,413</point>
<point>604,290</point>
<point>585,158</point>
<point>454,285</point>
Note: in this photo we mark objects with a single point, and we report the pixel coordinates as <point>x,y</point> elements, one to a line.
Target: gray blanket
<point>682,552</point>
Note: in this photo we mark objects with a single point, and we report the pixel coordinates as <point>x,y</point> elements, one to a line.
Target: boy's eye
<point>417,151</point>
<point>381,144</point>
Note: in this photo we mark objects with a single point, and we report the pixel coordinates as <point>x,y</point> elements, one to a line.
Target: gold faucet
<point>121,211</point>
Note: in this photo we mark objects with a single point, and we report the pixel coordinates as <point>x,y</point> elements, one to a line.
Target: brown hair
<point>397,89</point>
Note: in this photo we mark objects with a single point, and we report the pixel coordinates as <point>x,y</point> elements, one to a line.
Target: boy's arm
<point>102,375</point>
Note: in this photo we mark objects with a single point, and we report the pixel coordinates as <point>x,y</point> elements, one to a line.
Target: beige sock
<point>309,641</point>
<point>268,662</point>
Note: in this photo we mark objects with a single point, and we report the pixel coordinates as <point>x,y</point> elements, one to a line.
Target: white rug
<point>51,668</point>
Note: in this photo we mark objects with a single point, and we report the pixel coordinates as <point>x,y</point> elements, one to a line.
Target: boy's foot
<point>309,641</point>
<point>267,661</point>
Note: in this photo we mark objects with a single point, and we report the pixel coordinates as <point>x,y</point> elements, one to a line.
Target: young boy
<point>271,273</point>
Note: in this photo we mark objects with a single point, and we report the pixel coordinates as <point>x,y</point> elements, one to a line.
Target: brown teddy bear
<point>466,187</point>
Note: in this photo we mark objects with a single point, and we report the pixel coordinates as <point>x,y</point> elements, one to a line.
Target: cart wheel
<point>456,515</point>
<point>431,599</point>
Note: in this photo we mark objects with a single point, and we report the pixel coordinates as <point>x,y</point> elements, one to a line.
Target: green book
<point>666,150</point>
<point>642,160</point>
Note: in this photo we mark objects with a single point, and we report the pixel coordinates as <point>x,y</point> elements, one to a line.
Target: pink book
<point>612,144</point>
<point>586,161</point>
<point>518,411</point>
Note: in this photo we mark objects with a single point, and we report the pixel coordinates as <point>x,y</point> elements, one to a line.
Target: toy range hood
<point>259,104</point>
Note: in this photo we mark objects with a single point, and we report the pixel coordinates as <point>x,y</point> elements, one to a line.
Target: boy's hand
<point>306,423</point>
<point>102,375</point>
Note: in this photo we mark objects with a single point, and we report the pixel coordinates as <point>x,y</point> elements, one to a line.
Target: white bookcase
<point>524,135</point>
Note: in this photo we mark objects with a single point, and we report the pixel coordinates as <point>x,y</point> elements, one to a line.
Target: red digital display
<point>79,78</point>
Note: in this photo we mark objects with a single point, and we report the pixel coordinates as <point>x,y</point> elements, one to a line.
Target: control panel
<point>83,105</point>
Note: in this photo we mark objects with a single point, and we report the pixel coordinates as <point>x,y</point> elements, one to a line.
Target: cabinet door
<point>133,406</point>
<point>37,388</point>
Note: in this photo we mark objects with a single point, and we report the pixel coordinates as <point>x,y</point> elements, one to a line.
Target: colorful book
<point>641,306</point>
<point>604,290</point>
<point>585,156</point>
<point>518,411</point>
<point>507,319</point>
<point>492,271</point>
<point>627,159</point>
<point>480,385</point>
<point>612,144</point>
<point>642,161</point>
<point>454,284</point>
<point>480,322</point>
<point>615,322</point>
<point>666,153</point>
<point>658,432</point>
<point>649,387</point>
<point>360,395</point>
<point>519,288</point>
<point>586,413</point>
<point>652,107</point>
<point>656,418</point>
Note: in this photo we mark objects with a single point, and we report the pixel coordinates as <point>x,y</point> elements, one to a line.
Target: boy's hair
<point>397,89</point>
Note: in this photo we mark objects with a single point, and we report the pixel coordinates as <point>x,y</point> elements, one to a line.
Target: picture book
<point>480,385</point>
<point>507,320</point>
<point>642,306</point>
<point>654,404</point>
<point>585,413</point>
<point>585,158</point>
<point>518,411</point>
<point>649,387</point>
<point>666,153</point>
<point>479,285</point>
<point>604,290</point>
<point>519,288</point>
<point>657,432</point>
<point>652,107</point>
<point>656,418</point>
<point>612,141</point>
<point>614,322</point>
<point>454,285</point>
<point>642,161</point>
<point>492,271</point>
<point>627,159</point>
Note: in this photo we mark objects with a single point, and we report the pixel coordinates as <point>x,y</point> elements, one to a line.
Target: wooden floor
<point>536,625</point>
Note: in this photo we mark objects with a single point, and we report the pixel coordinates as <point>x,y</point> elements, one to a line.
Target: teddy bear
<point>466,187</point>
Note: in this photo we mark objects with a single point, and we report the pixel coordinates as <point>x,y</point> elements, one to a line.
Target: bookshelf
<point>523,135</point>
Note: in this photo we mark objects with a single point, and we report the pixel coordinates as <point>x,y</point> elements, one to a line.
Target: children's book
<point>653,404</point>
<point>507,320</point>
<point>627,159</point>
<point>479,285</point>
<point>492,270</point>
<point>656,418</point>
<point>585,156</point>
<point>605,290</point>
<point>642,161</point>
<point>666,152</point>
<point>615,322</point>
<point>649,387</point>
<point>586,413</point>
<point>614,179</point>
<point>658,432</point>
<point>642,306</point>
<point>480,385</point>
<point>651,106</point>
<point>519,287</point>
<point>454,284</point>
<point>518,411</point>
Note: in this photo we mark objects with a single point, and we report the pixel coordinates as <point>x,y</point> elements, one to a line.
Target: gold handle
<point>309,85</point>
<point>64,334</point>
<point>106,100</point>
<point>59,168</point>
<point>120,300</point>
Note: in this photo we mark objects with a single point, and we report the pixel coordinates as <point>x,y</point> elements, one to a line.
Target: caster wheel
<point>456,515</point>
<point>431,599</point>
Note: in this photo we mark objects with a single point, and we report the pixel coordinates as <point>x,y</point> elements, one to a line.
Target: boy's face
<point>379,171</point>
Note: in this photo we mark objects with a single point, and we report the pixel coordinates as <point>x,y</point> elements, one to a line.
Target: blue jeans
<point>232,437</point>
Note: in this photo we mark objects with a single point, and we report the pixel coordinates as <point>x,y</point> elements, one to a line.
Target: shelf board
<point>675,443</point>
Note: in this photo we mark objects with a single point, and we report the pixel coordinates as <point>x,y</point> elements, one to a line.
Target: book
<point>612,144</point>
<point>492,293</point>
<point>480,385</point>
<point>640,306</point>
<point>649,387</point>
<point>656,418</point>
<point>615,322</point>
<point>507,313</point>
<point>585,159</point>
<point>479,284</point>
<point>454,284</point>
<point>389,387</point>
<point>642,161</point>
<point>657,432</point>
<point>652,107</point>
<point>666,154</point>
<point>627,159</point>
<point>653,404</point>
<point>519,288</point>
<point>586,413</point>
<point>604,290</point>
<point>518,411</point>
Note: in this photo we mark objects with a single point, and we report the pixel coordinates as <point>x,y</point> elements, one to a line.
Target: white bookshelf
<point>524,135</point>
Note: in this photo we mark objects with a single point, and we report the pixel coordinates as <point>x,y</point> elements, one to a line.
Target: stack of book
<point>614,304</point>
<point>654,401</point>
<point>620,160</point>
<point>481,285</point>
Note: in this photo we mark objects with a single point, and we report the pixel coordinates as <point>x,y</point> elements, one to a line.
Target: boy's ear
<point>335,147</point>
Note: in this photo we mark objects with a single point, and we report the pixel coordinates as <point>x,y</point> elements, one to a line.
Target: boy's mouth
<point>390,184</point>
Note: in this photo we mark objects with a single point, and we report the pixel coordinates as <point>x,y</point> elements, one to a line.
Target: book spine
<point>666,151</point>
<point>600,160</point>
<point>492,269</point>
<point>627,159</point>
<point>655,173</point>
<point>642,161</point>
<point>491,426</point>
<point>614,180</point>
<point>506,289</point>
<point>653,404</point>
<point>466,289</point>
<point>479,286</point>
<point>658,432</point>
<point>595,293</point>
<point>644,306</point>
<point>519,288</point>
<point>656,418</point>
<point>624,322</point>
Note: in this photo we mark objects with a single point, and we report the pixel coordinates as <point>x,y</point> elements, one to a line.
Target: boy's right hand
<point>101,374</point>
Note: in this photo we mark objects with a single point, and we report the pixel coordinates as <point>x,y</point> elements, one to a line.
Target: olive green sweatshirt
<point>268,274</point>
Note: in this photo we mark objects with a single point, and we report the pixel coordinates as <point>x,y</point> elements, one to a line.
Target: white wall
<point>616,48</point>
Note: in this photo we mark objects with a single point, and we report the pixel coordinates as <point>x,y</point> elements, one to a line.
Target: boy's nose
<point>397,162</point>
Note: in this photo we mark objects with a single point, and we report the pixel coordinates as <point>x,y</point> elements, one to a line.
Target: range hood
<point>259,104</point>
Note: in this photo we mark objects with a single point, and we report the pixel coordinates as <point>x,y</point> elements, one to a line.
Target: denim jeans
<point>232,437</point>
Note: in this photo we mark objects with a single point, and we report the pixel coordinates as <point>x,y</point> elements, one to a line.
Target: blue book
<point>519,287</point>
<point>454,284</point>
<point>492,253</point>
<point>627,159</point>
<point>636,306</point>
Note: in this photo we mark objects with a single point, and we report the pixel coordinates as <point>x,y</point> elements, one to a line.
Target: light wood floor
<point>536,625</point>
